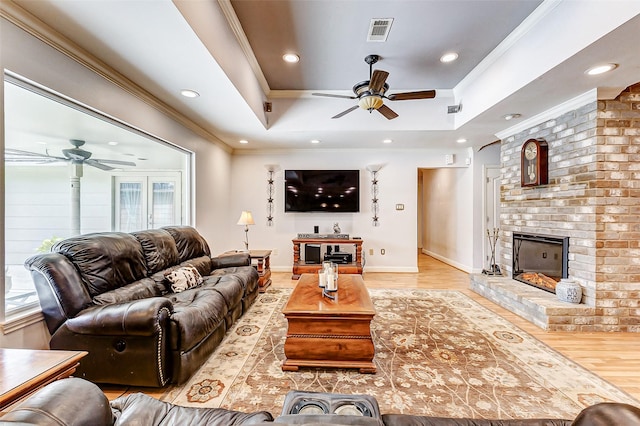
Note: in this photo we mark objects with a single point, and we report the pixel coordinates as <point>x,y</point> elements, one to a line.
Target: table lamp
<point>246,219</point>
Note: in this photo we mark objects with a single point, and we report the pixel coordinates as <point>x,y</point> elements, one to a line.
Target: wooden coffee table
<point>329,333</point>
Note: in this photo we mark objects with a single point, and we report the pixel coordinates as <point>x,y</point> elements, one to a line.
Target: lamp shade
<point>246,218</point>
<point>370,102</point>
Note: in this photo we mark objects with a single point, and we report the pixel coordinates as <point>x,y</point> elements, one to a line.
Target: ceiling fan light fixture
<point>370,102</point>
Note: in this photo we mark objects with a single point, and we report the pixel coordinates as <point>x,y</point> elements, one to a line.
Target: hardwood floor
<point>613,356</point>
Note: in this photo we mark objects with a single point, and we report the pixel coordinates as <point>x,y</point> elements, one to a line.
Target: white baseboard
<point>399,269</point>
<point>453,263</point>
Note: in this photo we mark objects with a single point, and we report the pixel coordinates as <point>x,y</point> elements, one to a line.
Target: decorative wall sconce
<point>271,170</point>
<point>374,169</point>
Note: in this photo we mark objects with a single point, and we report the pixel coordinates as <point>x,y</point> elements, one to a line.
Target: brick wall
<point>593,196</point>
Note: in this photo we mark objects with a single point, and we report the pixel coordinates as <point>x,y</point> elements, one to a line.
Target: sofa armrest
<point>143,317</point>
<point>230,260</point>
<point>70,401</point>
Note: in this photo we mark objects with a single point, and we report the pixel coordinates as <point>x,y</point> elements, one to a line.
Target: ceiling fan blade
<point>98,165</point>
<point>377,80</point>
<point>347,111</point>
<point>17,155</point>
<point>387,112</point>
<point>423,94</point>
<point>328,95</point>
<point>122,163</point>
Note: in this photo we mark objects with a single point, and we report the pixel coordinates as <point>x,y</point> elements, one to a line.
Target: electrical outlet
<point>274,252</point>
<point>370,252</point>
<point>382,251</point>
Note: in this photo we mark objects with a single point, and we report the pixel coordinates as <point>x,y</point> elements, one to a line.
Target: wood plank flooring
<point>613,356</point>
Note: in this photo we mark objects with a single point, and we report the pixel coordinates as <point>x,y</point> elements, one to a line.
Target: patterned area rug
<point>438,353</point>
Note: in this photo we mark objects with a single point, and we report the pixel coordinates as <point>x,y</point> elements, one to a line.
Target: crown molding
<point>551,113</point>
<point>46,34</point>
<point>241,37</point>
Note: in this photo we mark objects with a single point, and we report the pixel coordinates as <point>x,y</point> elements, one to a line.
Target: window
<point>70,170</point>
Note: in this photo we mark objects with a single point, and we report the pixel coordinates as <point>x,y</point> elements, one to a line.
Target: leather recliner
<point>77,402</point>
<point>106,293</point>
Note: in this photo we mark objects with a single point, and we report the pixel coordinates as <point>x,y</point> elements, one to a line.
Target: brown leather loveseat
<point>107,294</point>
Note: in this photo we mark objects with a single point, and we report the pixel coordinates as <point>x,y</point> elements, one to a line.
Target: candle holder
<point>374,169</point>
<point>271,170</point>
<point>328,279</point>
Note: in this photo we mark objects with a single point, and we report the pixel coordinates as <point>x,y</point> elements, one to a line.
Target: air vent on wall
<point>379,29</point>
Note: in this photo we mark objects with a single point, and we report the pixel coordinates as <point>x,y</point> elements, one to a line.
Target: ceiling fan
<point>370,93</point>
<point>75,155</point>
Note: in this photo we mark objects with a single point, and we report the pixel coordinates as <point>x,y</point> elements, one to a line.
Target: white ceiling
<point>523,56</point>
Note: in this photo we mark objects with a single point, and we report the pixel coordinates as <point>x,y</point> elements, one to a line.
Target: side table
<point>23,371</point>
<point>260,261</point>
<point>263,267</point>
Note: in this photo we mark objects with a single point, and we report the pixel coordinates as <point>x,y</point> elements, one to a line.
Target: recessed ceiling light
<point>243,141</point>
<point>601,69</point>
<point>187,93</point>
<point>112,143</point>
<point>291,58</point>
<point>512,116</point>
<point>449,57</point>
<point>315,141</point>
<point>461,140</point>
<point>387,141</point>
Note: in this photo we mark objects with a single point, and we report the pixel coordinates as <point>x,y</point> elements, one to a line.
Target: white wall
<point>398,184</point>
<point>32,59</point>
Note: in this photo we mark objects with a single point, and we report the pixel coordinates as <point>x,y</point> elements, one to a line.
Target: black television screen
<point>336,191</point>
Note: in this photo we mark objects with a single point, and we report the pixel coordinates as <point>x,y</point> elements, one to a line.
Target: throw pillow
<point>184,278</point>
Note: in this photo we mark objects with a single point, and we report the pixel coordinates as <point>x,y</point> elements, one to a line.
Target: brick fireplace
<point>593,198</point>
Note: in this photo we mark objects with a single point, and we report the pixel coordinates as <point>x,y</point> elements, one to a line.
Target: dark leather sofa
<point>106,293</point>
<point>77,402</point>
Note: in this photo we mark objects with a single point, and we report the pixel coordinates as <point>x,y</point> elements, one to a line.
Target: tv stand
<point>300,267</point>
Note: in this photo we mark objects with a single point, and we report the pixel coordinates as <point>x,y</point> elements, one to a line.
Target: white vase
<point>569,291</point>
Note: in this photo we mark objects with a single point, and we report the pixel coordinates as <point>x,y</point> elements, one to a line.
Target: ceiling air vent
<point>379,29</point>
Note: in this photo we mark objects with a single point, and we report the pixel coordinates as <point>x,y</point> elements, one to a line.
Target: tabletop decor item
<point>328,279</point>
<point>569,291</point>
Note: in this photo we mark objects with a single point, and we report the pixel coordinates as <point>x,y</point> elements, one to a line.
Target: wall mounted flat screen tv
<point>332,191</point>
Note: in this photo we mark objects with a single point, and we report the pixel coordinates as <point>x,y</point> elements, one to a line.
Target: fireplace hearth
<point>540,260</point>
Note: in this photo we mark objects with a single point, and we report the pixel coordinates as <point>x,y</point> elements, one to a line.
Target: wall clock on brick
<point>534,163</point>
